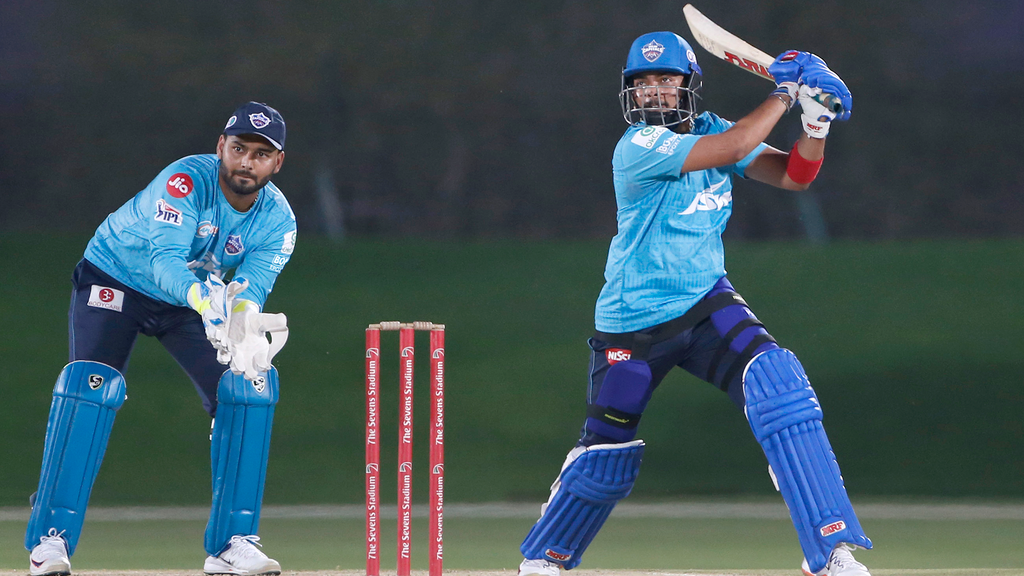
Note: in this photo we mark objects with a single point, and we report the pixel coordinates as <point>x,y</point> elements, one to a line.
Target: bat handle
<point>831,101</point>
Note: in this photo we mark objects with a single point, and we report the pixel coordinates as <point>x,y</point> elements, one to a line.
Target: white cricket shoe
<point>50,556</point>
<point>840,563</point>
<point>242,557</point>
<point>539,567</point>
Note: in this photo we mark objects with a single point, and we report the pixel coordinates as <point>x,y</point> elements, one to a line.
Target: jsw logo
<point>708,201</point>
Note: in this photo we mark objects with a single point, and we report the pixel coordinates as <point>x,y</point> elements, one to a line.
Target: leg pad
<point>785,417</point>
<point>239,447</point>
<point>85,399</point>
<point>585,494</point>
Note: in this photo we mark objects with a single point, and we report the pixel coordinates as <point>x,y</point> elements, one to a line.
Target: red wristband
<point>800,169</point>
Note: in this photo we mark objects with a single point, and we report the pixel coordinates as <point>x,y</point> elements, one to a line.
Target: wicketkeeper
<point>667,302</point>
<point>155,267</point>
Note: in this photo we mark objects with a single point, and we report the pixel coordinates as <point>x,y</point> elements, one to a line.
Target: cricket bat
<point>728,47</point>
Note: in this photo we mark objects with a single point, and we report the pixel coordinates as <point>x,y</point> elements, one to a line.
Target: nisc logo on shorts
<point>833,528</point>
<point>617,355</point>
<point>179,185</point>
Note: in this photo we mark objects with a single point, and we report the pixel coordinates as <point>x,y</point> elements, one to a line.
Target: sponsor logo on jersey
<point>103,297</point>
<point>647,137</point>
<point>95,381</point>
<point>278,263</point>
<point>231,122</point>
<point>234,245</point>
<point>652,51</point>
<point>179,185</point>
<point>616,355</point>
<point>289,242</point>
<point>167,213</point>
<point>670,144</point>
<point>832,528</point>
<point>205,229</point>
<point>259,120</point>
<point>708,201</point>
<point>557,556</point>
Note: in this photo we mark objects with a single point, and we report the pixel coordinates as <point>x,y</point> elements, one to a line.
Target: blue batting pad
<point>589,487</point>
<point>785,417</point>
<point>85,400</point>
<point>239,447</point>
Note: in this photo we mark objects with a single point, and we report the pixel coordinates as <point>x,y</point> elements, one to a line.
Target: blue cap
<point>658,52</point>
<point>257,118</point>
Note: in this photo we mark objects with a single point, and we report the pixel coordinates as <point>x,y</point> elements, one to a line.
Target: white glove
<point>815,118</point>
<point>247,348</point>
<point>213,300</point>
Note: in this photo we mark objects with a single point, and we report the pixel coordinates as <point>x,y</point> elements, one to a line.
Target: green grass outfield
<point>913,348</point>
<point>743,539</point>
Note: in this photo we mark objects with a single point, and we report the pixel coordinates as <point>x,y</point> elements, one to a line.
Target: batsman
<point>667,302</point>
<point>155,267</point>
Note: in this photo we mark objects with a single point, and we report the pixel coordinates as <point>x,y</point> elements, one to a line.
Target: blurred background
<point>450,161</point>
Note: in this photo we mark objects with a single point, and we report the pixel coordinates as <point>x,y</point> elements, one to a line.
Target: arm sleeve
<point>262,265</point>
<point>176,203</point>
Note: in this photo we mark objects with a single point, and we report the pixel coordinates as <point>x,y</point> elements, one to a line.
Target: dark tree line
<point>468,118</point>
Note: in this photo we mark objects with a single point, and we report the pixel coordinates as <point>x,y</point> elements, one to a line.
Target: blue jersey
<point>181,228</point>
<point>668,251</point>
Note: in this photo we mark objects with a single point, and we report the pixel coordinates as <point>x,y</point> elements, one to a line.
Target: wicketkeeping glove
<point>213,301</point>
<point>247,346</point>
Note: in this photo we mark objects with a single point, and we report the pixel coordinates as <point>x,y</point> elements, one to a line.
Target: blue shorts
<point>106,317</point>
<point>714,341</point>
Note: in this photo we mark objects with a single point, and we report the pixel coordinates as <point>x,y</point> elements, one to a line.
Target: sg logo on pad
<point>95,381</point>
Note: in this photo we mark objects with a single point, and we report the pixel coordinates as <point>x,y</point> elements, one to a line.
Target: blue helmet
<point>660,52</point>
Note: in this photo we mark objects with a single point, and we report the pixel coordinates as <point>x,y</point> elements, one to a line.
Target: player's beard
<point>236,186</point>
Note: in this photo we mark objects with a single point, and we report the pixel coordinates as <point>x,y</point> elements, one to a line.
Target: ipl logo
<point>652,51</point>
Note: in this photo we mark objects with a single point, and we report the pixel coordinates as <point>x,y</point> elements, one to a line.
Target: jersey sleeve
<point>655,153</point>
<point>262,264</point>
<point>175,197</point>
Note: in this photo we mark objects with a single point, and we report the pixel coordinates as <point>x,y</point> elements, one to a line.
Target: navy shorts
<point>715,341</point>
<point>106,317</point>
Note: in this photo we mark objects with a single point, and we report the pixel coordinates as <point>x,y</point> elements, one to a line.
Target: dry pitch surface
<point>576,572</point>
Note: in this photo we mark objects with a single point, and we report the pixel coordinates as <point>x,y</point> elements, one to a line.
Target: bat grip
<point>831,101</point>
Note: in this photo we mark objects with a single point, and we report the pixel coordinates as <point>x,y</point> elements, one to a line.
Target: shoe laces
<point>842,557</point>
<point>239,548</point>
<point>52,537</point>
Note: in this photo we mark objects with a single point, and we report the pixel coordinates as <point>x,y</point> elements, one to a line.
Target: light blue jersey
<point>668,252</point>
<point>180,228</point>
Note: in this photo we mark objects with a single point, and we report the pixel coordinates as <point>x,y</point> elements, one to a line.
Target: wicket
<point>407,347</point>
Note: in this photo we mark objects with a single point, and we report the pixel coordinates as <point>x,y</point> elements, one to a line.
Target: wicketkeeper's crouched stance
<point>666,302</point>
<point>153,267</point>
